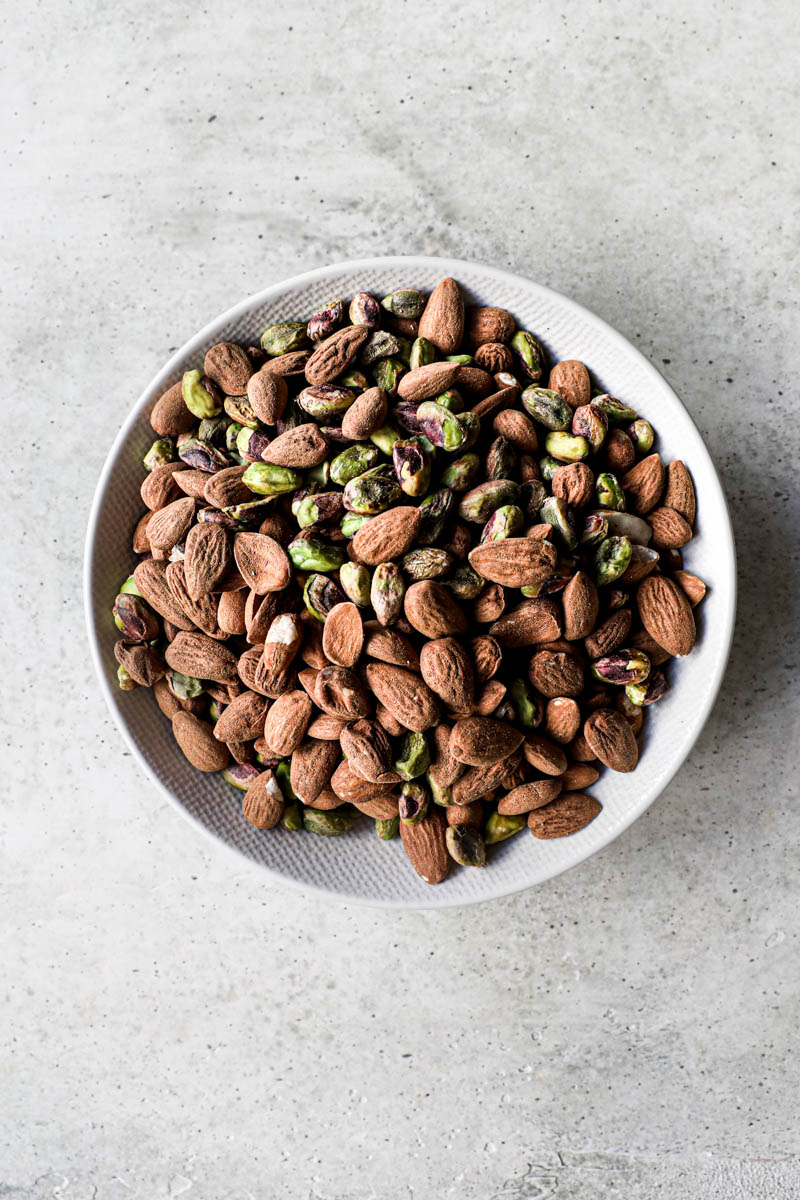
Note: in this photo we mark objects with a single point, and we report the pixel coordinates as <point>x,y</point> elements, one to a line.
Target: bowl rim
<point>448,266</point>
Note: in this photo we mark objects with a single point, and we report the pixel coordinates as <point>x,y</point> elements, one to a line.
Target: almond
<point>514,562</point>
<point>243,719</point>
<point>442,320</point>
<point>389,646</point>
<point>670,530</point>
<point>369,751</point>
<point>333,356</point>
<point>225,487</point>
<point>491,694</point>
<point>159,488</point>
<point>517,428</point>
<point>379,808</point>
<point>692,585</point>
<point>150,578</point>
<point>641,640</point>
<point>581,604</point>
<point>428,381</point>
<point>366,415</point>
<point>531,622</point>
<point>666,614</point>
<point>326,800</point>
<point>470,815</point>
<point>544,755</point>
<point>486,324</point>
<point>196,740</point>
<point>574,484</point>
<point>170,416</point>
<point>569,813</point>
<point>447,669</point>
<point>287,722</point>
<point>268,394</point>
<point>611,739</point>
<point>578,777</point>
<point>207,558</point>
<point>505,398</point>
<point>486,657</point>
<point>139,542</point>
<point>353,789</point>
<point>343,635</point>
<point>230,613</point>
<point>312,767</point>
<point>619,452</point>
<point>556,673</point>
<point>202,612</point>
<point>229,367</point>
<point>281,644</point>
<point>387,536</point>
<point>192,482</point>
<point>528,796</point>
<point>263,562</point>
<point>340,693</point>
<point>201,657</point>
<point>425,845</point>
<point>142,662</point>
<point>263,802</point>
<point>444,769</point>
<point>474,381</point>
<point>479,781</point>
<point>293,363</point>
<point>477,741</point>
<point>571,380</point>
<point>299,448</point>
<point>326,728</point>
<point>679,492</point>
<point>562,719</point>
<point>260,612</point>
<point>494,357</point>
<point>490,605</point>
<point>433,610</point>
<point>407,697</point>
<point>644,484</point>
<point>610,634</point>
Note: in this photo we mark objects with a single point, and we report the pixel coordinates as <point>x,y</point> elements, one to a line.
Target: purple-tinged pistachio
<point>321,594</point>
<point>184,687</point>
<point>440,426</point>
<point>413,803</point>
<point>309,552</point>
<point>406,303</point>
<point>642,435</point>
<point>412,466</point>
<point>565,447</point>
<point>429,563</point>
<point>653,688</point>
<point>231,434</point>
<point>501,826</point>
<point>284,337</point>
<point>240,410</point>
<point>322,508</point>
<point>251,444</point>
<point>405,414</point>
<point>353,461</point>
<point>422,354</point>
<point>335,435</point>
<point>387,828</point>
<point>465,846</point>
<point>215,516</point>
<point>214,429</point>
<point>365,310</point>
<point>384,438</point>
<point>555,512</point>
<point>386,373</point>
<point>551,586</point>
<point>125,682</point>
<point>241,775</point>
<point>609,492</point>
<point>452,400</point>
<point>590,422</point>
<point>373,492</point>
<point>616,598</point>
<point>622,667</point>
<point>326,400</point>
<point>505,522</point>
<point>356,582</point>
<point>351,523</point>
<point>326,321</point>
<point>461,473</point>
<point>266,479</point>
<point>386,592</point>
<point>201,395</point>
<point>380,344</point>
<point>435,511</point>
<point>501,459</point>
<point>161,452</point>
<point>611,560</point>
<point>616,412</point>
<point>548,408</point>
<point>135,618</point>
<point>532,496</point>
<point>465,582</point>
<point>354,379</point>
<point>203,456</point>
<point>595,530</point>
<point>527,703</point>
<point>478,504</point>
<point>215,709</point>
<point>529,355</point>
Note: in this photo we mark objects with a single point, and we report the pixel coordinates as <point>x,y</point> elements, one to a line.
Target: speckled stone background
<point>171,1024</point>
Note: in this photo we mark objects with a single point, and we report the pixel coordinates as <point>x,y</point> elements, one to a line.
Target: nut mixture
<point>392,563</point>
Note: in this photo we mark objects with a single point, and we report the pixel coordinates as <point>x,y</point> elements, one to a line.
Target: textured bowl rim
<point>448,266</point>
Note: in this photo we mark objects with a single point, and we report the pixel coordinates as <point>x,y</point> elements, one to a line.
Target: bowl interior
<point>361,867</point>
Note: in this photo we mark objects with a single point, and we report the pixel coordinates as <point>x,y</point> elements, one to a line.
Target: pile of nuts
<point>394,564</point>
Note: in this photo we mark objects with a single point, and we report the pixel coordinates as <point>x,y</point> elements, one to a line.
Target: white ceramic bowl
<point>360,867</point>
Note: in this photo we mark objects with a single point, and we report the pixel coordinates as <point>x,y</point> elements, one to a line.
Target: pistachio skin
<point>387,828</point>
<point>200,395</point>
<point>612,559</point>
<point>284,337</point>
<point>499,828</point>
<point>327,824</point>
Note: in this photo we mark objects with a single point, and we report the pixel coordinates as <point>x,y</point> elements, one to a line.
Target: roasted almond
<point>531,622</point>
<point>610,634</point>
<point>268,394</point>
<point>666,614</point>
<point>679,492</point>
<point>387,536</point>
<point>425,382</point>
<point>170,416</point>
<point>229,367</point>
<point>670,530</point>
<point>578,777</point>
<point>243,719</point>
<point>487,656</point>
<point>644,484</point>
<point>611,739</point>
<point>556,673</point>
<point>514,562</point>
<point>544,755</point>
<point>207,558</point>
<point>487,324</point>
<point>446,667</point>
<point>151,580</point>
<point>574,484</point>
<point>287,721</point>
<point>529,796</point>
<point>340,692</point>
<point>263,802</point>
<point>263,562</point>
<point>567,814</point>
<point>581,604</point>
<point>480,740</point>
<point>479,781</point>
<point>571,380</point>
<point>343,635</point>
<point>159,488</point>
<point>692,585</point>
<point>425,845</point>
<point>225,487</point>
<point>333,356</point>
<point>562,719</point>
<point>230,613</point>
<point>366,415</point>
<point>407,697</point>
<point>311,768</point>
<point>433,610</point>
<point>442,320</point>
<point>517,428</point>
<point>369,751</point>
<point>201,657</point>
<point>300,448</point>
<point>196,740</point>
<point>202,612</point>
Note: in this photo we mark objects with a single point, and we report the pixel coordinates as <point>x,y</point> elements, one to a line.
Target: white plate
<point>359,867</point>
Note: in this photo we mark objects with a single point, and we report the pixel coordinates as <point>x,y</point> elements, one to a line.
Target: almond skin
<point>207,558</point>
<point>433,610</point>
<point>574,484</point>
<point>567,814</point>
<point>533,621</point>
<point>425,382</point>
<point>581,605</point>
<point>477,781</point>
<point>425,845</point>
<point>196,740</point>
<point>333,356</point>
<point>407,697</point>
<point>263,562</point>
<point>202,612</point>
<point>476,741</point>
<point>670,530</point>
<point>268,395</point>
<point>544,755</point>
<point>312,767</point>
<point>529,796</point>
<point>225,487</point>
<point>514,562</point>
<point>170,416</point>
<point>387,536</point>
<point>201,657</point>
<point>556,673</point>
<point>351,788</point>
<point>447,669</point>
<point>442,320</point>
<point>243,719</point>
<point>487,324</point>
<point>571,380</point>
<point>263,802</point>
<point>666,614</point>
<point>366,415</point>
<point>611,739</point>
<point>150,578</point>
<point>679,491</point>
<point>159,488</point>
<point>229,367</point>
<point>299,448</point>
<point>692,585</point>
<point>287,721</point>
<point>487,656</point>
<point>644,484</point>
<point>343,635</point>
<point>578,777</point>
<point>389,646</point>
<point>369,751</point>
<point>562,719</point>
<point>517,428</point>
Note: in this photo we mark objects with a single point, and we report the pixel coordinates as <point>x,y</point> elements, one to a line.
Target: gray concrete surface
<point>171,1024</point>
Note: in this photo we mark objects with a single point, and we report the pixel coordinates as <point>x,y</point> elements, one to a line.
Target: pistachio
<point>480,502</point>
<point>386,592</point>
<point>268,480</point>
<point>414,802</point>
<point>284,337</point>
<point>251,444</point>
<point>611,559</point>
<point>548,467</point>
<point>241,775</point>
<point>527,703</point>
<point>435,511</point>
<point>412,466</point>
<point>324,322</point>
<point>203,456</point>
<point>322,508</point>
<point>327,824</point>
<point>505,522</point>
<point>556,512</point>
<point>309,552</point>
<point>440,426</point>
<point>548,408</point>
<point>529,355</point>
<point>386,374</point>
<point>565,447</point>
<point>292,818</point>
<point>642,435</point>
<point>422,353</point>
<point>429,563</point>
<point>135,619</point>
<point>623,667</point>
<point>356,582</point>
<point>184,687</point>
<point>404,303</point>
<point>501,459</point>
<point>384,438</point>
<point>125,681</point>
<point>595,530</point>
<point>240,410</point>
<point>590,422</point>
<point>499,827</point>
<point>461,473</point>
<point>616,412</point>
<point>465,845</point>
<point>373,492</point>
<point>162,451</point>
<point>364,310</point>
<point>387,827</point>
<point>201,395</point>
<point>649,690</point>
<point>465,582</point>
<point>326,400</point>
<point>321,594</point>
<point>608,491</point>
<point>380,344</point>
<point>353,461</point>
<point>532,496</point>
<point>413,758</point>
<point>129,587</point>
<point>351,523</point>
